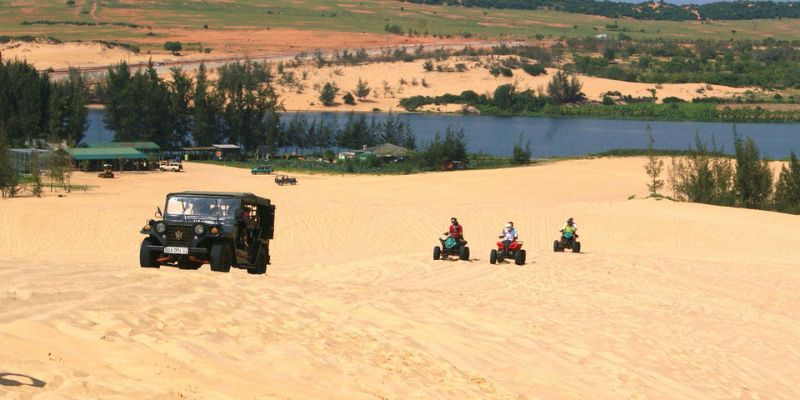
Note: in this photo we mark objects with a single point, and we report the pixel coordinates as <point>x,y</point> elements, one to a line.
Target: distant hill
<point>737,10</point>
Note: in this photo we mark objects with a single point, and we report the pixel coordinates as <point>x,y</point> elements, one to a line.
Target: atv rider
<point>456,231</point>
<point>509,235</point>
<point>569,227</point>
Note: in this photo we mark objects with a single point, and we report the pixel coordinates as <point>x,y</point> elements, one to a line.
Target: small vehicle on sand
<point>261,169</point>
<point>568,240</point>
<point>167,165</point>
<point>451,247</point>
<point>514,252</point>
<point>107,172</point>
<point>222,229</point>
<point>285,180</point>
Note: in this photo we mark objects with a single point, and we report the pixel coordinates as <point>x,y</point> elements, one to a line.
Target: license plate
<point>176,250</point>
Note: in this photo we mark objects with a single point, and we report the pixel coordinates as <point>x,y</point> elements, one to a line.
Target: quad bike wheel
<point>220,257</point>
<point>463,253</point>
<point>576,247</point>
<point>147,258</point>
<point>437,253</point>
<point>493,257</point>
<point>519,258</point>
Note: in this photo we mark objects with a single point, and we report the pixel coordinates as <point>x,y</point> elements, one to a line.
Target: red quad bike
<point>514,252</point>
<point>451,247</point>
<point>568,241</point>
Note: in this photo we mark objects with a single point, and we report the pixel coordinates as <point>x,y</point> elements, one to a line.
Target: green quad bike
<point>568,240</point>
<point>451,247</point>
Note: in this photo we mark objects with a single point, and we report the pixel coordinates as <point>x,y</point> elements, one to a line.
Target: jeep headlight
<point>199,229</point>
<point>161,227</point>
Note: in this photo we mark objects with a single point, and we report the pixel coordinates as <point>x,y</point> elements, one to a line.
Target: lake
<point>561,137</point>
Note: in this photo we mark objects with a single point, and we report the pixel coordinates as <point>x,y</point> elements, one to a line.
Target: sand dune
<point>669,300</point>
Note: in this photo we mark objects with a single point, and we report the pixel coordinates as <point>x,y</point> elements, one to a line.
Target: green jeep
<point>218,228</point>
<point>261,169</point>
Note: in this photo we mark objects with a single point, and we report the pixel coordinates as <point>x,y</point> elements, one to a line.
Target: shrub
<point>327,94</point>
<point>173,46</point>
<point>521,155</point>
<point>534,69</point>
<point>349,99</point>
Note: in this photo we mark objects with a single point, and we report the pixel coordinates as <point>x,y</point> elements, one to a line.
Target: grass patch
<point>368,16</point>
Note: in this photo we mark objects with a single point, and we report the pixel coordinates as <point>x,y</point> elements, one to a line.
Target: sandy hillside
<point>405,79</point>
<point>389,81</point>
<point>668,301</point>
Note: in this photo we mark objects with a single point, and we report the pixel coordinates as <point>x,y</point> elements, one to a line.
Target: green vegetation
<point>764,63</point>
<point>644,10</point>
<point>34,107</point>
<point>368,16</point>
<point>705,176</point>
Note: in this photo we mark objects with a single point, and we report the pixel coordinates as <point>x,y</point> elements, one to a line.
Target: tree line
<point>34,107</point>
<point>746,180</point>
<point>645,10</point>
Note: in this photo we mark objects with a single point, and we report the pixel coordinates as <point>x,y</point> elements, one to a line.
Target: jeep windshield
<point>193,208</point>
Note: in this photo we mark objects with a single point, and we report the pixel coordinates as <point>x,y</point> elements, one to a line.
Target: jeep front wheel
<point>220,257</point>
<point>147,257</point>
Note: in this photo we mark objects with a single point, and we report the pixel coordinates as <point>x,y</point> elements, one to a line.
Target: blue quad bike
<point>451,247</point>
<point>568,240</point>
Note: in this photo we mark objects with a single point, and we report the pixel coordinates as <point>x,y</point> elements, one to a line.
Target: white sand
<point>669,300</point>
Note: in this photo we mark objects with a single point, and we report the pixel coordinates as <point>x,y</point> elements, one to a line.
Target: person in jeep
<point>210,228</point>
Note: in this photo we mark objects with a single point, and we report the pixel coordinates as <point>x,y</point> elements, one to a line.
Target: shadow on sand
<point>12,379</point>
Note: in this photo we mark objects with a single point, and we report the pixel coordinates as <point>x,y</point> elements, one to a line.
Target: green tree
<point>521,155</point>
<point>565,88</point>
<point>251,106</point>
<point>787,190</point>
<point>68,111</point>
<point>36,185</point>
<point>327,95</point>
<point>654,166</point>
<point>181,90</point>
<point>206,111</point>
<point>753,182</point>
<point>504,95</point>
<point>349,99</point>
<point>703,177</point>
<point>8,175</point>
<point>362,89</point>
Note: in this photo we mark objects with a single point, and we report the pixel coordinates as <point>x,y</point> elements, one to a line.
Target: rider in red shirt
<point>456,230</point>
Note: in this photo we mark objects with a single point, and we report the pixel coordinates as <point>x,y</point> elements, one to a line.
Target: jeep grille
<point>179,235</point>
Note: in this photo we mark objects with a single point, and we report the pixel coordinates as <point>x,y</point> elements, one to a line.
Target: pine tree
<point>327,95</point>
<point>654,166</point>
<point>787,190</point>
<point>753,181</point>
<point>362,89</point>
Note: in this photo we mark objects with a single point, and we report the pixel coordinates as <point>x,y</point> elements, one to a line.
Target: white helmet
<point>508,226</point>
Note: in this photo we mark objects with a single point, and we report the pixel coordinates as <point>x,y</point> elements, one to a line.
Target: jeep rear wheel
<point>147,257</point>
<point>220,257</point>
<point>260,265</point>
